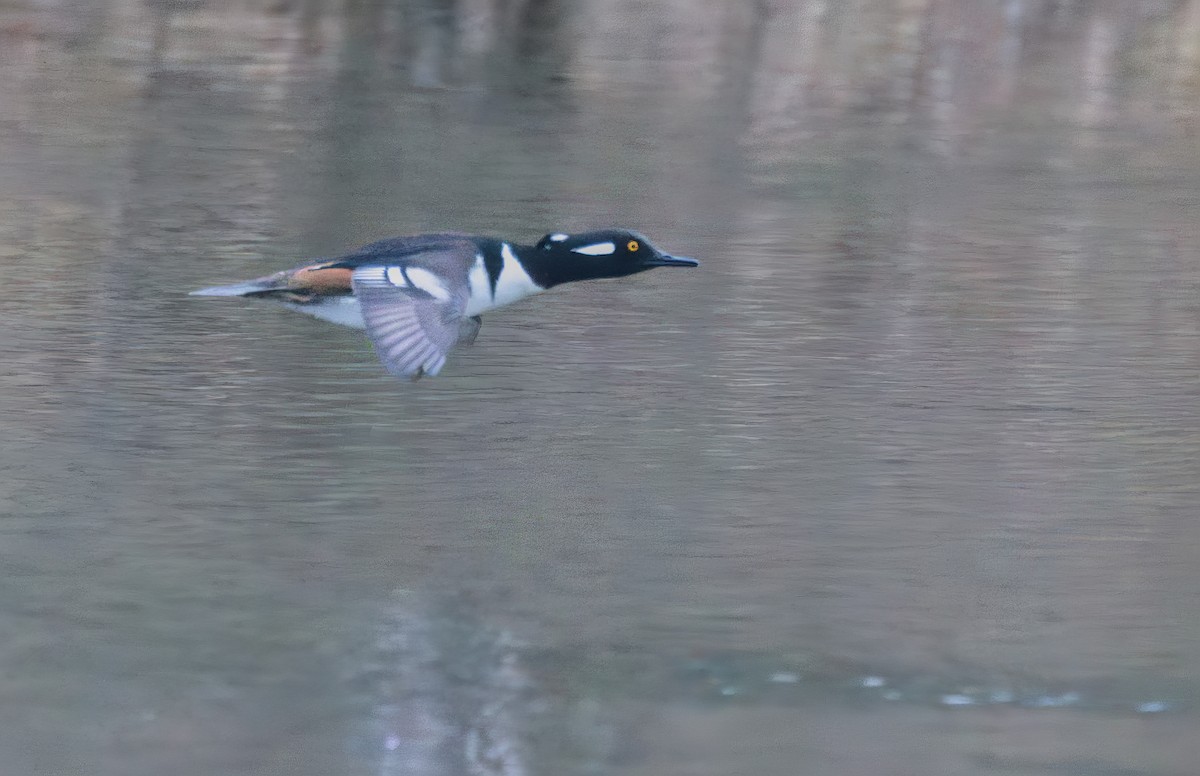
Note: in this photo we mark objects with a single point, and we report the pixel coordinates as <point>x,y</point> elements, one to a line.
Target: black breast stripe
<point>493,262</point>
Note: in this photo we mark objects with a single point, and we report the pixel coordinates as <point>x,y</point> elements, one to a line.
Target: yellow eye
<point>632,245</point>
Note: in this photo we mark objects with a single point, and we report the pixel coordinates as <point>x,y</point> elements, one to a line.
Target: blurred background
<point>903,480</point>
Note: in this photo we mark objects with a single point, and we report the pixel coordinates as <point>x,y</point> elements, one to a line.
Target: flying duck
<point>419,296</point>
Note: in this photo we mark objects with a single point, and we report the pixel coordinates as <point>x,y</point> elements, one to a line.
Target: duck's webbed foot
<point>468,330</point>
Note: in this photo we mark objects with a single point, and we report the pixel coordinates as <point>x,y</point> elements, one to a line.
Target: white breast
<point>514,282</point>
<point>512,285</point>
<point>480,286</point>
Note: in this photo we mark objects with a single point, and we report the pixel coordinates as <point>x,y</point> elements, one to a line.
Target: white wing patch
<point>413,277</point>
<point>596,249</point>
<point>558,237</point>
<point>429,283</point>
<point>379,276</point>
<point>514,282</point>
<point>395,276</point>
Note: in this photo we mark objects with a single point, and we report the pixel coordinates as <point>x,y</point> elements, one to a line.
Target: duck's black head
<point>561,257</point>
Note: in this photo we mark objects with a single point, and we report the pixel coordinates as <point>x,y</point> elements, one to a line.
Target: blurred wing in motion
<point>412,315</point>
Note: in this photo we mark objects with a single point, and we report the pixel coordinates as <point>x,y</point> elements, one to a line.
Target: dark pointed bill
<point>667,260</point>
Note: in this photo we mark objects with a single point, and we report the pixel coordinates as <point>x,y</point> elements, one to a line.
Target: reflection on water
<point>903,480</point>
<point>443,695</point>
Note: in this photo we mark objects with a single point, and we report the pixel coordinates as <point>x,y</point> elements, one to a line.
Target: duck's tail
<point>249,288</point>
<point>311,279</point>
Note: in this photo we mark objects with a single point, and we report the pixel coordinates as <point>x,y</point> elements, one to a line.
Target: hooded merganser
<point>419,296</point>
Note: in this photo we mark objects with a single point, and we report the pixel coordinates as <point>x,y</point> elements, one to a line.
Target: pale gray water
<point>924,421</point>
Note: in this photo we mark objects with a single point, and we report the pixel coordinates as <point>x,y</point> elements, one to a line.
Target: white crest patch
<point>395,276</point>
<point>558,237</point>
<point>596,249</point>
<point>429,283</point>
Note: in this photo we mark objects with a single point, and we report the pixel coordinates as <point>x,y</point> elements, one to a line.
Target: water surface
<point>902,480</point>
